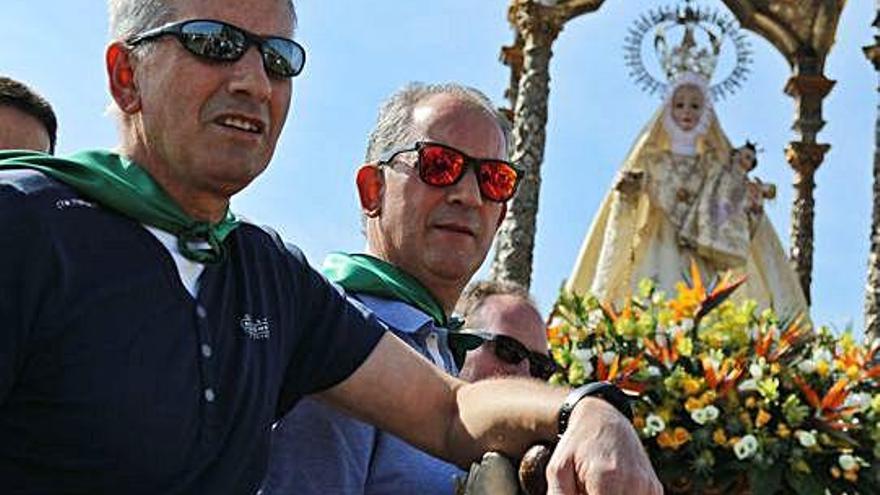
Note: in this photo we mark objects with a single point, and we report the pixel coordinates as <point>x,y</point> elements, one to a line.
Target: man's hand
<point>600,454</point>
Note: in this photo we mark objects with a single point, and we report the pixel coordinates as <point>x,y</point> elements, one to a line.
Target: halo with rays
<point>710,21</point>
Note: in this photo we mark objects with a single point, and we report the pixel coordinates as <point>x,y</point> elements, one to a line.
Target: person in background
<point>27,121</point>
<point>512,336</point>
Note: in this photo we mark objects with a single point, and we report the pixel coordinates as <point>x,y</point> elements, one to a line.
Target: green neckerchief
<point>119,184</point>
<point>370,275</point>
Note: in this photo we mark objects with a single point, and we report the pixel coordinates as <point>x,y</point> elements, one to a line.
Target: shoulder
<point>19,184</point>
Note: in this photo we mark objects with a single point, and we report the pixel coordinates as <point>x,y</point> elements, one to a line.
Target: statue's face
<point>687,106</point>
<point>744,158</point>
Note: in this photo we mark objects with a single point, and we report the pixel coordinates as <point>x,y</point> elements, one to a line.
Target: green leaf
<point>766,481</point>
<point>804,484</point>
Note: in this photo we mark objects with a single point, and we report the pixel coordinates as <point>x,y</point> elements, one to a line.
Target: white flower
<point>756,371</point>
<point>822,354</point>
<point>658,297</point>
<point>608,357</point>
<point>807,366</point>
<point>716,356</point>
<point>704,415</point>
<point>653,425</point>
<point>584,355</point>
<point>861,400</point>
<point>806,438</point>
<point>847,462</point>
<point>699,416</point>
<point>653,371</point>
<point>687,324</point>
<point>746,447</point>
<point>595,318</point>
<point>711,412</point>
<point>750,385</point>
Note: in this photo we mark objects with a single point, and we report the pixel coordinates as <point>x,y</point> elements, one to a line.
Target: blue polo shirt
<point>115,379</point>
<point>317,450</point>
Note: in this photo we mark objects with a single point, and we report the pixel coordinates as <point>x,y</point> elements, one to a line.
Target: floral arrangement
<point>731,400</point>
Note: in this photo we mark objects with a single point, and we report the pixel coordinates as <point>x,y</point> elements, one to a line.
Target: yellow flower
<point>690,386</point>
<point>853,372</point>
<point>762,418</point>
<point>692,404</point>
<point>719,437</point>
<point>835,471</point>
<point>783,431</point>
<point>775,369</point>
<point>822,368</point>
<point>685,347</point>
<point>708,397</point>
<point>751,403</point>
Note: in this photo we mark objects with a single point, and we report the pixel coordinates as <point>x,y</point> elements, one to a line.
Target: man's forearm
<point>506,415</point>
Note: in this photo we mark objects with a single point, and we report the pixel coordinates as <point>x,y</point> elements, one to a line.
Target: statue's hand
<point>630,182</point>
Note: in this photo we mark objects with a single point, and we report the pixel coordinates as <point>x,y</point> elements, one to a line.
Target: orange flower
<point>763,418</point>
<point>638,422</point>
<point>719,437</point>
<point>556,336</point>
<point>783,431</point>
<point>673,440</point>
<point>692,404</point>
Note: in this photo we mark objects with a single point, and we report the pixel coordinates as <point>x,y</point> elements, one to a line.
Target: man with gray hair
<point>429,223</point>
<point>150,337</point>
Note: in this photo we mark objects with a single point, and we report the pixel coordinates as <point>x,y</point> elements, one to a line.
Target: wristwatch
<point>606,391</point>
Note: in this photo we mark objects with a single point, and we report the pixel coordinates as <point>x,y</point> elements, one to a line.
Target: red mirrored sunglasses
<point>440,165</point>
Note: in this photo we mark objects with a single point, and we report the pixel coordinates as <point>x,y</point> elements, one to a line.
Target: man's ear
<point>120,74</point>
<point>371,187</point>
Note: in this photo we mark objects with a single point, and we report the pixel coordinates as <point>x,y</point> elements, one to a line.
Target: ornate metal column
<point>872,290</point>
<point>808,86</point>
<point>537,23</point>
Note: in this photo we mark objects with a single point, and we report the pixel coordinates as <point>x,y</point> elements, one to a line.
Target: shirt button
<point>206,350</point>
<point>201,311</point>
<point>209,395</point>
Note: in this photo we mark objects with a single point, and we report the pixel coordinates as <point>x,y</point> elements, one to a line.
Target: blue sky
<point>361,51</point>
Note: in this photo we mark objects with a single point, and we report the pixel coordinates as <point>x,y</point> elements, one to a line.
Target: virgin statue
<point>682,195</point>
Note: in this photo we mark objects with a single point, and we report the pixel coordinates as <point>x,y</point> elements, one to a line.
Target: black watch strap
<point>606,391</point>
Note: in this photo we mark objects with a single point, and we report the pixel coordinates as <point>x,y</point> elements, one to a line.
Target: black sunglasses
<point>218,41</point>
<point>507,349</point>
<point>440,165</point>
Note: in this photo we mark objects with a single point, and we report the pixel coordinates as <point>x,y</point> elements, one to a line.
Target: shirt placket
<point>210,394</point>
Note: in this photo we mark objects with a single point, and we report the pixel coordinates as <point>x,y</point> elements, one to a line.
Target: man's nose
<point>250,76</point>
<point>467,190</point>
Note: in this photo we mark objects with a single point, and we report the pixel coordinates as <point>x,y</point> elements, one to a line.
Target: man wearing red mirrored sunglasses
<point>433,192</point>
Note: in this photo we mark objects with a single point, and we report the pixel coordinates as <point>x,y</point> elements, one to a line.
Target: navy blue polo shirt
<point>114,379</point>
